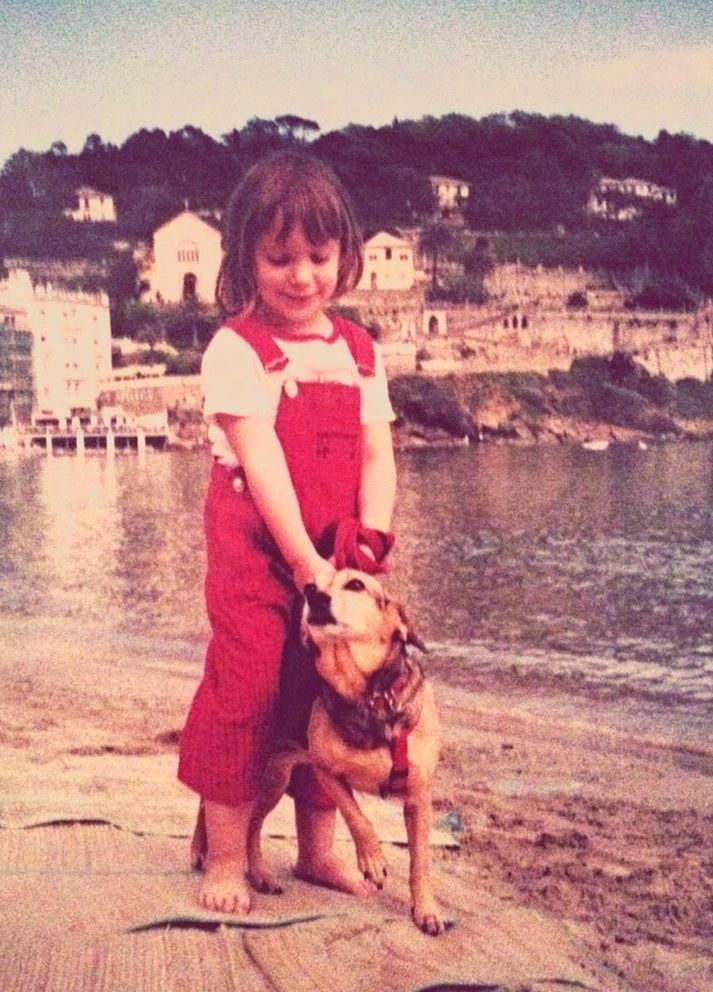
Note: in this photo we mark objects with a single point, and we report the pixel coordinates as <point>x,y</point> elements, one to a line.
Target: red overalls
<point>250,598</point>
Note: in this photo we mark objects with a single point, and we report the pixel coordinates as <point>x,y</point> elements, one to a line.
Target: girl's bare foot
<point>316,861</point>
<point>328,870</point>
<point>225,888</point>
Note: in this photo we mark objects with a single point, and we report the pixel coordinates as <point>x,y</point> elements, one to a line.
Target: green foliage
<point>694,399</point>
<point>183,326</point>
<point>186,362</point>
<point>455,288</point>
<point>606,379</point>
<point>665,293</point>
<point>434,403</point>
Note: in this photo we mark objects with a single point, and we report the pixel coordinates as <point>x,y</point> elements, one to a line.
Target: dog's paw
<point>262,881</point>
<point>372,865</point>
<point>428,920</point>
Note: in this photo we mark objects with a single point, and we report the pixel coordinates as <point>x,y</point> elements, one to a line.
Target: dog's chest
<point>366,771</point>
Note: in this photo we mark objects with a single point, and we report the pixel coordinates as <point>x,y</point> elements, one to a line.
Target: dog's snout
<point>319,605</point>
<point>315,597</point>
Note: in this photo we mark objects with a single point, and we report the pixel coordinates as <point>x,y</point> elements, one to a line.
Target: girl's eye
<point>320,259</point>
<point>355,585</point>
<point>280,261</point>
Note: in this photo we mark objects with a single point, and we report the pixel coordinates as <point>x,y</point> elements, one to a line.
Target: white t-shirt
<point>235,382</point>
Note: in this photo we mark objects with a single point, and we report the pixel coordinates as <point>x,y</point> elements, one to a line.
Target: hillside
<point>527,173</point>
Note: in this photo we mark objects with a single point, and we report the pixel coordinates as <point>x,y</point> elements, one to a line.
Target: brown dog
<point>375,728</point>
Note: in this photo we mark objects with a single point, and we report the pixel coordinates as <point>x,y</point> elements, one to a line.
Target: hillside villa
<point>625,199</point>
<point>388,263</point>
<point>186,258</point>
<point>92,207</point>
<point>451,196</point>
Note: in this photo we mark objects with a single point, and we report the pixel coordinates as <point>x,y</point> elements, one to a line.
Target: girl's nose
<point>301,271</point>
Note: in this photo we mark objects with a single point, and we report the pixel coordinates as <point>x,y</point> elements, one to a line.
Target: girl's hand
<point>315,569</point>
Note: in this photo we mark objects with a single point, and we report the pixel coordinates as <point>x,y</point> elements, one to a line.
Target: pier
<point>106,439</point>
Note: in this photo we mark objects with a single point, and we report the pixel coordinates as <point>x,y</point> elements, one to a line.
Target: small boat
<point>597,445</point>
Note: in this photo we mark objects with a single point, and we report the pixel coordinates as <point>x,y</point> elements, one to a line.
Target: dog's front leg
<point>272,789</point>
<point>370,858</point>
<point>417,815</point>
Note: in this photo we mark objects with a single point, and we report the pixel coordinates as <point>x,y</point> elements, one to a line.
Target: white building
<point>186,258</point>
<point>388,263</point>
<point>625,199</point>
<point>93,206</point>
<point>71,342</point>
<point>451,194</point>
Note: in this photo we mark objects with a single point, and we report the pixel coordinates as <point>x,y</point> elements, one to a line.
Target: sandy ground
<point>607,833</point>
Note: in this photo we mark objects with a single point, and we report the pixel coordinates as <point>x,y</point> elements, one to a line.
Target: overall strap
<point>261,341</point>
<point>273,358</point>
<point>360,345</point>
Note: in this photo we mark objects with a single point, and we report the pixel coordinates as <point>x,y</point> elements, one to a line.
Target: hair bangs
<point>316,213</point>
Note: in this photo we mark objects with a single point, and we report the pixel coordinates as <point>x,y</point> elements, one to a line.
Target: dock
<point>78,440</point>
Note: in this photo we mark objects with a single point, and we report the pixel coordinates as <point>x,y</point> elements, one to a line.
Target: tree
<point>93,145</point>
<point>436,240</point>
<point>479,260</point>
<point>297,128</point>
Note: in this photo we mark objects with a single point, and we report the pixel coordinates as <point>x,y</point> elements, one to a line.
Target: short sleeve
<point>375,403</point>
<point>233,378</point>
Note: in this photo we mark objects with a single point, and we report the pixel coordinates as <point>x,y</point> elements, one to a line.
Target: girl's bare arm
<point>377,491</point>
<point>258,449</point>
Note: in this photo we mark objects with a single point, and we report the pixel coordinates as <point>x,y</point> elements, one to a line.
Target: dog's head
<point>352,616</point>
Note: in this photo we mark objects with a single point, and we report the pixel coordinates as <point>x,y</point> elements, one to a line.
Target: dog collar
<point>382,714</point>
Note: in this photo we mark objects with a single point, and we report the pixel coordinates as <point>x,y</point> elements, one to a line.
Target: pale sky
<point>72,67</point>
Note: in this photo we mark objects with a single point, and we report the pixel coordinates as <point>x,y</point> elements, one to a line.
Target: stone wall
<point>492,339</point>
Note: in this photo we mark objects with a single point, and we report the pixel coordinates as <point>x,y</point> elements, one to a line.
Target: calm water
<point>588,575</point>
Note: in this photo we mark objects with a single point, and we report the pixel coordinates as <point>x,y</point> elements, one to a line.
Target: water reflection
<point>608,553</point>
<point>598,563</point>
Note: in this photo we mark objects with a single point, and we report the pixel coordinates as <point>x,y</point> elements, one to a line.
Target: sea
<point>571,581</point>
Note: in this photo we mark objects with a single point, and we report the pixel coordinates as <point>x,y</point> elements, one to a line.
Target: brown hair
<point>293,189</point>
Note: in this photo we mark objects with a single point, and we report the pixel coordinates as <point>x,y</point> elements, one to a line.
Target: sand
<point>584,850</point>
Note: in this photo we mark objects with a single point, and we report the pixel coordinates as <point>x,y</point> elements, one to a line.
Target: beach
<point>584,855</point>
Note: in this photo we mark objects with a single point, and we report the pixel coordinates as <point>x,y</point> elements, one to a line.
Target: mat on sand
<point>93,908</point>
<point>96,909</point>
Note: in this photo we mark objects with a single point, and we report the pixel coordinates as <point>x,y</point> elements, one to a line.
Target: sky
<point>70,68</point>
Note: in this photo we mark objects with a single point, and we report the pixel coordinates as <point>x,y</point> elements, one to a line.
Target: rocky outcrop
<point>597,399</point>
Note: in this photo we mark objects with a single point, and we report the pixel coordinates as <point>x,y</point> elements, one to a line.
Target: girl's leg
<point>316,860</point>
<point>225,888</point>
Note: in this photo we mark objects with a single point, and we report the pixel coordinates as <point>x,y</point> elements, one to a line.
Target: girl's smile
<point>295,280</point>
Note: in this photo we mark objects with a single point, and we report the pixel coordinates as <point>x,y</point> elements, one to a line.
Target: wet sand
<point>602,834</point>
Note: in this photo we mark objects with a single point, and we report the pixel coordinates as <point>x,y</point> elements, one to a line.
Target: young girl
<point>299,420</point>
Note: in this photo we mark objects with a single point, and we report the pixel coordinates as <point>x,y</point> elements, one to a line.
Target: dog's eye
<point>355,585</point>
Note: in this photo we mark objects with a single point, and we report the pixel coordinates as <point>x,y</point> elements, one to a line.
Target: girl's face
<point>295,280</point>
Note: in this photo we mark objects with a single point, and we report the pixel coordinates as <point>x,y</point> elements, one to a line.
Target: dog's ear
<point>405,631</point>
